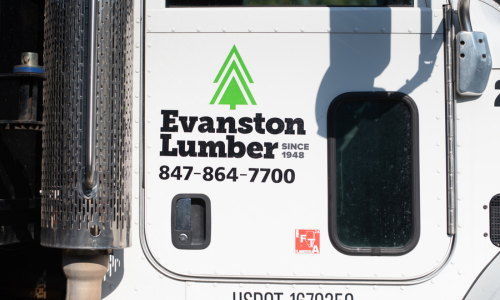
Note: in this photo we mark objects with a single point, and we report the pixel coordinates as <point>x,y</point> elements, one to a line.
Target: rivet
<point>432,281</point>
<point>149,120</point>
<point>215,284</point>
<point>459,171</point>
<point>437,117</point>
<point>215,271</point>
<point>410,30</point>
<point>149,70</point>
<point>149,197</point>
<point>160,276</point>
<point>276,29</point>
<point>452,262</point>
<point>320,286</point>
<point>137,145</point>
<point>149,146</point>
<point>149,95</point>
<point>149,45</point>
<point>137,70</point>
<point>294,272</point>
<point>459,144</point>
<point>149,15</point>
<point>294,285</point>
<point>198,29</point>
<point>404,274</point>
<point>438,171</point>
<point>460,272</point>
<point>111,287</point>
<point>137,45</point>
<point>149,29</point>
<point>250,29</point>
<point>137,120</point>
<point>190,271</point>
<point>267,285</point>
<point>302,29</point>
<point>438,144</point>
<point>439,225</point>
<point>459,197</point>
<point>136,289</point>
<point>356,29</point>
<point>158,258</point>
<point>374,287</point>
<point>143,258</point>
<point>241,285</point>
<point>242,273</point>
<point>437,91</point>
<point>136,171</point>
<point>189,283</point>
<point>173,29</point>
<point>460,225</point>
<point>322,273</point>
<point>268,273</point>
<point>376,274</point>
<point>347,287</point>
<point>149,223</point>
<point>224,29</point>
<point>485,206</point>
<point>436,65</point>
<point>438,260</point>
<point>382,29</point>
<point>136,196</point>
<point>136,223</point>
<point>329,30</point>
<point>138,20</point>
<point>439,198</point>
<point>437,38</point>
<point>348,273</point>
<point>459,117</point>
<point>435,14</point>
<point>402,287</point>
<point>137,95</point>
<point>485,234</point>
<point>149,172</point>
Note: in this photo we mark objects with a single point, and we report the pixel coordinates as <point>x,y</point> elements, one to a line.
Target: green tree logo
<point>233,95</point>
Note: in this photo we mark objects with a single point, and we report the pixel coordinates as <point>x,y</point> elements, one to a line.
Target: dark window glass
<point>184,3</point>
<point>374,147</point>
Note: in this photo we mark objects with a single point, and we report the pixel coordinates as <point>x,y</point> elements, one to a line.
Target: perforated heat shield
<point>68,219</point>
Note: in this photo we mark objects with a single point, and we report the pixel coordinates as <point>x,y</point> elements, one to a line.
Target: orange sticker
<point>307,241</point>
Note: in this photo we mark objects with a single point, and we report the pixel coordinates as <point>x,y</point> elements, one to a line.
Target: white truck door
<point>295,144</point>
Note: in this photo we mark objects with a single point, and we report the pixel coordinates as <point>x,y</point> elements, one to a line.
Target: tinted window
<point>183,3</point>
<point>373,148</point>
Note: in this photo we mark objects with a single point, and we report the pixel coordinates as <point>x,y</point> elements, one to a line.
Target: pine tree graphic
<point>233,95</point>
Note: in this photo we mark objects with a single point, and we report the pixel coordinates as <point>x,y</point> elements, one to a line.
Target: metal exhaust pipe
<point>87,143</point>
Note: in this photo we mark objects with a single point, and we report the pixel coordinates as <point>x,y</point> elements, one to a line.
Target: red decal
<point>307,241</point>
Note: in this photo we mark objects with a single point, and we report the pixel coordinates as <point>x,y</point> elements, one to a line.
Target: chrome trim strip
<point>450,123</point>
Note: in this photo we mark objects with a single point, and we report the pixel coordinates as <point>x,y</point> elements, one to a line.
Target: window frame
<point>332,175</point>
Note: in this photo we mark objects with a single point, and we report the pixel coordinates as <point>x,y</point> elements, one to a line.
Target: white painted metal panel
<point>416,70</point>
<point>296,19</point>
<point>295,76</point>
<point>486,18</point>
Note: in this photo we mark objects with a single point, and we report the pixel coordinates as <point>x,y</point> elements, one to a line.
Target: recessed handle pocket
<point>191,221</point>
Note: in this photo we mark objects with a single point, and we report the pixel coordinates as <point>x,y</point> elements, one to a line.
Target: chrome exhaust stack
<point>86,164</point>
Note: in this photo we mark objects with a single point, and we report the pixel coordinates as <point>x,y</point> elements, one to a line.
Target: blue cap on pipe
<point>38,70</point>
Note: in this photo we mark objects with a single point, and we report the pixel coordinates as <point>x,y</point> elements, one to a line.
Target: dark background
<point>28,270</point>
